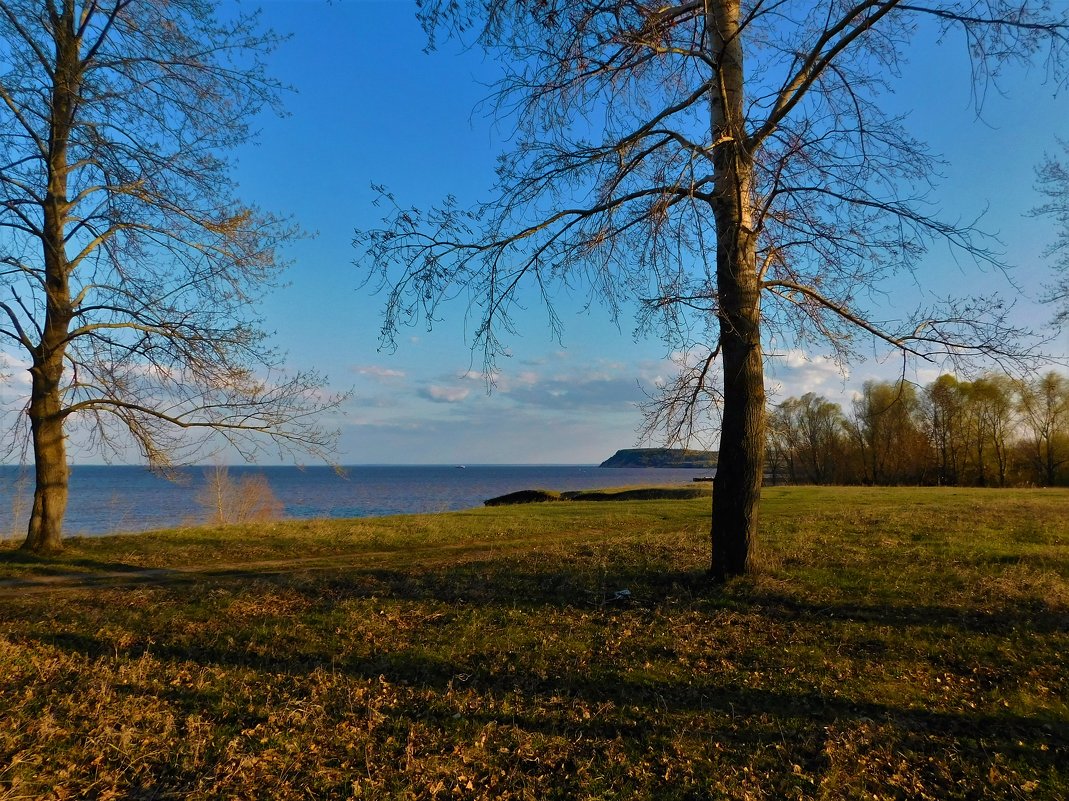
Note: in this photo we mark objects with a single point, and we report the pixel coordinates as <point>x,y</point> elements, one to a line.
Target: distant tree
<point>775,450</point>
<point>782,438</point>
<point>992,416</point>
<point>942,409</point>
<point>811,431</point>
<point>822,425</point>
<point>1044,406</point>
<point>707,158</point>
<point>886,428</point>
<point>129,270</point>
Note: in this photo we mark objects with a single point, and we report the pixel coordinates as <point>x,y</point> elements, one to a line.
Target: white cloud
<point>926,375</point>
<point>15,370</point>
<point>692,357</point>
<point>594,390</point>
<point>498,432</point>
<point>492,377</point>
<point>440,394</point>
<point>381,374</point>
<point>499,382</point>
<point>794,358</point>
<point>794,373</point>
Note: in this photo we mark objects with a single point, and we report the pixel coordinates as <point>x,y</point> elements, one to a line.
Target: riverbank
<point>897,642</point>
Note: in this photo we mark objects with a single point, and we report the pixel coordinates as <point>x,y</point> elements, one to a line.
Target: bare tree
<point>728,164</point>
<point>129,270</point>
<point>228,501</point>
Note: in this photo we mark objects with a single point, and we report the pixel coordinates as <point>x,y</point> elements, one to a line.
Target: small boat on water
<point>702,478</point>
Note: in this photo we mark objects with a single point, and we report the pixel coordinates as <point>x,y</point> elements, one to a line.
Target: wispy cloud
<point>383,375</point>
<point>15,369</point>
<point>442,394</point>
<point>491,378</point>
<point>577,391</point>
<point>496,432</point>
<point>794,373</point>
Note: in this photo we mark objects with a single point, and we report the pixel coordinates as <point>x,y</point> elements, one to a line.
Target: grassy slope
<point>897,643</point>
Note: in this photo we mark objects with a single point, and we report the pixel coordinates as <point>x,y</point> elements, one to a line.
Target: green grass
<point>894,643</point>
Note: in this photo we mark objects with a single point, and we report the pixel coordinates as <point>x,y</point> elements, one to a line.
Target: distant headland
<point>662,457</point>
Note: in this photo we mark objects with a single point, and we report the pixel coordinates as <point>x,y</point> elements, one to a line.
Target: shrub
<point>248,499</point>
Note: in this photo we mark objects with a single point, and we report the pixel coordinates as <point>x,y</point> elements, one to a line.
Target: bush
<point>249,499</point>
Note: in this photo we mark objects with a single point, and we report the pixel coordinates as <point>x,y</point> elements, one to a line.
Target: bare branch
<point>731,171</point>
<point>138,268</point>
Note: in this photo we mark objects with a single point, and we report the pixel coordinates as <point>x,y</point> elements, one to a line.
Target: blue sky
<point>370,106</point>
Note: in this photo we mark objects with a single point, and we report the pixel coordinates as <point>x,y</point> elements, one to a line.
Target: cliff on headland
<point>662,457</point>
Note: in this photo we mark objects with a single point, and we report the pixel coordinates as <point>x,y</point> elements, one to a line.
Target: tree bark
<point>737,486</point>
<point>45,409</point>
<point>45,531</point>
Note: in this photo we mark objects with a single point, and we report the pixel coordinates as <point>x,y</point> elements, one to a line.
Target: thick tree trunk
<point>45,531</point>
<point>45,411</point>
<point>737,487</point>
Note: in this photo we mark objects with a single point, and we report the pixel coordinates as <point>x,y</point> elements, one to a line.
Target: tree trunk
<point>737,486</point>
<point>45,532</point>
<point>45,411</point>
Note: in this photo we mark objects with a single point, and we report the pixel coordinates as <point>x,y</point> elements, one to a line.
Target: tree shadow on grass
<point>745,712</point>
<point>32,564</point>
<point>488,582</point>
<point>1033,616</point>
<point>743,715</point>
<point>505,582</point>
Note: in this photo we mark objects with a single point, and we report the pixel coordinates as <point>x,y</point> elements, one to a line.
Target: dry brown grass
<point>896,644</point>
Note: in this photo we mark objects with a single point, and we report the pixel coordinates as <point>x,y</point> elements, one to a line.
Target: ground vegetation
<point>892,642</point>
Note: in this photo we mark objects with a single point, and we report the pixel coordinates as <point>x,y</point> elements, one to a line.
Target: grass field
<point>895,643</point>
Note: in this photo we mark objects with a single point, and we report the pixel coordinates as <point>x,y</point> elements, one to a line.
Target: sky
<point>370,106</point>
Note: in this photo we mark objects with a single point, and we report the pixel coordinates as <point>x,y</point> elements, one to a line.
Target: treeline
<point>994,431</point>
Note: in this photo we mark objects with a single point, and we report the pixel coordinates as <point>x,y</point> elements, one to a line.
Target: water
<point>106,500</point>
